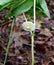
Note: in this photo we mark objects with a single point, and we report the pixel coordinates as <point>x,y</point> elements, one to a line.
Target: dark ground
<point>20,48</point>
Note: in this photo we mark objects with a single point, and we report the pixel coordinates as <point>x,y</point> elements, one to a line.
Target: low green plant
<point>17,7</point>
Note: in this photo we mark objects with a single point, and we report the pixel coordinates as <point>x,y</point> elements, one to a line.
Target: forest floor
<point>20,47</point>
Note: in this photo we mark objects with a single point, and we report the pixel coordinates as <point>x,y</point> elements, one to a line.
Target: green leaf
<point>44,7</point>
<point>21,8</point>
<point>17,3</point>
<point>2,7</point>
<point>42,4</point>
<point>4,3</point>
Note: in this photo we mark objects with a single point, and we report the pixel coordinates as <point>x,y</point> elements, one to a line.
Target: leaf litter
<point>20,48</point>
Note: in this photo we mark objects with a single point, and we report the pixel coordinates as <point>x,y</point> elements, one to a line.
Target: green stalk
<point>32,47</point>
<point>10,37</point>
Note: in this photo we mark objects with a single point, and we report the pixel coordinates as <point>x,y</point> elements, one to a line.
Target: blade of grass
<point>10,37</point>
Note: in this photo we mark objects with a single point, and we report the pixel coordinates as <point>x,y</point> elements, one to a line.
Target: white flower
<point>28,26</point>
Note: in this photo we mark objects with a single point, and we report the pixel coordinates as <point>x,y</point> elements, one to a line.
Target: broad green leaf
<point>2,7</point>
<point>43,6</point>
<point>2,2</point>
<point>21,8</point>
<point>17,3</point>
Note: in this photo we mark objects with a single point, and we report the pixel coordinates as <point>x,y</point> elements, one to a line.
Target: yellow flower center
<point>28,26</point>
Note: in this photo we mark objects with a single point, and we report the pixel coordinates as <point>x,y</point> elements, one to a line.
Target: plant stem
<point>10,37</point>
<point>25,17</point>
<point>32,49</point>
<point>32,34</point>
<point>34,12</point>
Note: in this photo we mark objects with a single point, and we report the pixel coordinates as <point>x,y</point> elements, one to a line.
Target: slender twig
<point>10,37</point>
